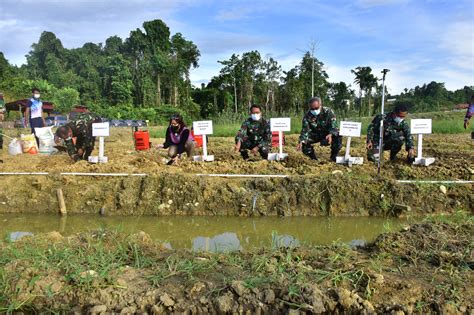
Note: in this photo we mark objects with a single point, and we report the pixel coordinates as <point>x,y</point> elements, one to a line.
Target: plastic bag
<point>14,147</point>
<point>29,144</point>
<point>46,140</point>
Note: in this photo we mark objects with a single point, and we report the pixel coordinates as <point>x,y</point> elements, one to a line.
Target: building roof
<point>21,105</point>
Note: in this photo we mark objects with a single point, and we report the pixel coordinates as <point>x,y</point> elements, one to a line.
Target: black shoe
<point>313,156</point>
<point>245,155</point>
<point>170,162</point>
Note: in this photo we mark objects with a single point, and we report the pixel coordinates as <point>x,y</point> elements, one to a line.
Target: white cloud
<point>75,21</point>
<point>457,39</point>
<point>235,13</point>
<point>7,23</point>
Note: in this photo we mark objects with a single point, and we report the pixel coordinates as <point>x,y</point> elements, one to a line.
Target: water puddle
<point>211,233</point>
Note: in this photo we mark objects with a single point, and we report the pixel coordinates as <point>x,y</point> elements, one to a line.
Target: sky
<point>418,40</point>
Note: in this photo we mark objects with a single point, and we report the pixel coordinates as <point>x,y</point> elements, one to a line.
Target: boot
<point>244,154</point>
<point>333,156</point>
<point>313,156</point>
<point>393,155</point>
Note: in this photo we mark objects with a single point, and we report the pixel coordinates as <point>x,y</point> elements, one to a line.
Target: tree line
<point>147,76</point>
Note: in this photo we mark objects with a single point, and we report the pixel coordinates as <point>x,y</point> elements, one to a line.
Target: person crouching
<point>80,128</point>
<point>178,139</point>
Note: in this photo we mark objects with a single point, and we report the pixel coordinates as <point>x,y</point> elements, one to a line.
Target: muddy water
<point>211,233</point>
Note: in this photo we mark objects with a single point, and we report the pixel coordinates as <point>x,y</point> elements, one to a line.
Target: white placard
<point>350,129</point>
<point>100,129</point>
<point>280,124</point>
<point>420,126</point>
<point>203,127</point>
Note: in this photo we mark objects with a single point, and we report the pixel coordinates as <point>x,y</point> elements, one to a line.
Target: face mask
<point>36,95</point>
<point>398,120</point>
<point>68,139</point>
<point>315,112</point>
<point>256,116</point>
<point>174,128</point>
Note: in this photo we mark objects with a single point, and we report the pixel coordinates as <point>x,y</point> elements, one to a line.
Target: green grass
<point>443,123</point>
<point>290,269</point>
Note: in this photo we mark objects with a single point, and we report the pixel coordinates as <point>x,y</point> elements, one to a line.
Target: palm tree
<point>371,82</point>
<point>366,81</point>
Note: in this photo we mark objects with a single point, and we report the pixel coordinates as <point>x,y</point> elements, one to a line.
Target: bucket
<point>197,139</point>
<point>14,148</point>
<point>142,140</point>
<point>276,139</point>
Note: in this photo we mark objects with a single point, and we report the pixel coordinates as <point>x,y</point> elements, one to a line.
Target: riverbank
<point>302,186</point>
<point>424,268</point>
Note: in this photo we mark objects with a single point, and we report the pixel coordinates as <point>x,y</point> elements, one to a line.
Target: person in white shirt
<point>34,112</point>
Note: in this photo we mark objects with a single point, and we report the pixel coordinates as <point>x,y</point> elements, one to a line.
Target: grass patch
<point>291,272</point>
<point>443,123</point>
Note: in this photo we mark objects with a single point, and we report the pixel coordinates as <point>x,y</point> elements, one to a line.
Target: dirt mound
<point>311,188</point>
<point>454,160</point>
<point>437,245</point>
<point>106,271</point>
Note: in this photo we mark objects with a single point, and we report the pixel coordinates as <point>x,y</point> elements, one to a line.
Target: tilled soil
<point>425,268</point>
<point>311,188</point>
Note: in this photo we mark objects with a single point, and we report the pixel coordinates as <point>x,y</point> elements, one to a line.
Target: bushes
<point>64,99</point>
<point>157,115</point>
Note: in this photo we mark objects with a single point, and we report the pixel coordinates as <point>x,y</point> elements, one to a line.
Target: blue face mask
<point>315,112</point>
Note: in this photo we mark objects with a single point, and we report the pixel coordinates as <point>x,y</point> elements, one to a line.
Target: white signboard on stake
<point>420,126</point>
<point>280,124</point>
<point>203,127</point>
<point>350,129</point>
<point>100,129</point>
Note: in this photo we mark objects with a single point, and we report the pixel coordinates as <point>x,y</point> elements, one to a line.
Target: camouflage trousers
<point>394,145</point>
<point>249,145</point>
<point>336,145</point>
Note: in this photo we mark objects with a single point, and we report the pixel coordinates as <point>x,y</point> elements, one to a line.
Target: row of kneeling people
<point>254,136</point>
<point>319,126</point>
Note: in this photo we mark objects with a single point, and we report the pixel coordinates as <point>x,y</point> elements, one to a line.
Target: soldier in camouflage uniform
<point>80,128</point>
<point>319,125</point>
<point>254,135</point>
<point>395,132</point>
<point>2,111</point>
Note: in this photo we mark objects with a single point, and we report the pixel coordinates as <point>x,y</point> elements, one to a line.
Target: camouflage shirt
<point>392,130</point>
<point>81,127</point>
<point>255,132</point>
<point>317,126</point>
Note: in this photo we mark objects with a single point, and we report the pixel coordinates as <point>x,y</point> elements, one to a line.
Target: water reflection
<point>211,233</point>
<point>284,241</point>
<point>354,244</point>
<point>225,242</point>
<point>15,236</point>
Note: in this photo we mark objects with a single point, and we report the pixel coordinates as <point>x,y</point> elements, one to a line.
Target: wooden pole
<point>62,204</point>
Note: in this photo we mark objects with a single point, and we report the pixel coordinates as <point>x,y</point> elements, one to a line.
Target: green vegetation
<point>45,272</point>
<point>146,76</point>
<point>443,123</point>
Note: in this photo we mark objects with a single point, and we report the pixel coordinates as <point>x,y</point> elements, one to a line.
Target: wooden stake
<point>62,204</point>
